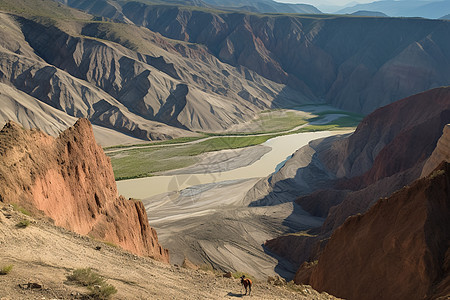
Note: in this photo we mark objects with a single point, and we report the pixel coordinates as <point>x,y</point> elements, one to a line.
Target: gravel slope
<point>45,254</point>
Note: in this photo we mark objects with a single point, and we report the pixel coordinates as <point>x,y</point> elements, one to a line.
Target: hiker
<point>246,282</point>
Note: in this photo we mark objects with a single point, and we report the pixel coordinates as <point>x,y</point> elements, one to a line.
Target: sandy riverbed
<point>281,148</point>
<point>203,216</point>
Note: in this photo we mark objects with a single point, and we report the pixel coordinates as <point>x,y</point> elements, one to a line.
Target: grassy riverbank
<point>145,161</point>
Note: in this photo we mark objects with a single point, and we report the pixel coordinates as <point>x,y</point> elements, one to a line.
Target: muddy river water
<point>282,147</point>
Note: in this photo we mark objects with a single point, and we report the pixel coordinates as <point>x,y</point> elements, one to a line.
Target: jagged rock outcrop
<point>70,180</point>
<point>441,153</point>
<point>399,249</point>
<point>387,151</point>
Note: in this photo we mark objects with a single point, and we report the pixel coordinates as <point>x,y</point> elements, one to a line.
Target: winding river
<point>282,148</point>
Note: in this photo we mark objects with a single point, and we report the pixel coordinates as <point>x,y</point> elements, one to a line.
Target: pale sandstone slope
<point>32,113</point>
<point>70,180</point>
<point>130,79</point>
<point>441,153</point>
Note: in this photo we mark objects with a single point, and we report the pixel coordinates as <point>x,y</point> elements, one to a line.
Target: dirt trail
<point>46,254</point>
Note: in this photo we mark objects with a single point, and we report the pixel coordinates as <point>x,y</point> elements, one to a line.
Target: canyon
<point>389,153</point>
<point>360,215</point>
<point>152,71</point>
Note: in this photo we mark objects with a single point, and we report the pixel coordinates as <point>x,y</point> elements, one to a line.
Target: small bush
<point>6,269</point>
<point>104,291</point>
<point>110,244</point>
<point>23,224</point>
<point>94,282</point>
<point>21,209</point>
<point>436,173</point>
<point>206,268</point>
<point>86,277</point>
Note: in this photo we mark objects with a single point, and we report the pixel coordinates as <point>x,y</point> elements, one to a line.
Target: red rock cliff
<point>399,249</point>
<point>71,180</point>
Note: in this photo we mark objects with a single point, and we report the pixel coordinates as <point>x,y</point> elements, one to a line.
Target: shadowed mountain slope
<point>125,77</point>
<point>213,69</point>
<point>355,63</point>
<point>387,151</point>
<point>399,249</point>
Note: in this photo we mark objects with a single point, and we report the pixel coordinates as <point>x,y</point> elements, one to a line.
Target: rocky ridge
<point>387,151</point>
<point>125,78</point>
<point>441,153</point>
<point>397,250</point>
<point>70,180</point>
<point>354,63</point>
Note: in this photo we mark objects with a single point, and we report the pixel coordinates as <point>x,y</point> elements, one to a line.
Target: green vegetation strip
<point>137,163</point>
<point>271,124</point>
<point>145,162</point>
<point>168,142</point>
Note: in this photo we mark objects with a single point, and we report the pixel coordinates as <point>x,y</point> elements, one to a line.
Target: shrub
<point>6,269</point>
<point>85,277</point>
<point>206,267</point>
<point>23,224</point>
<point>104,291</point>
<point>110,244</point>
<point>20,209</point>
<point>296,288</point>
<point>94,282</point>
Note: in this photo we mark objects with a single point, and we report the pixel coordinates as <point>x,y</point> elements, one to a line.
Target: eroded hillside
<point>155,71</point>
<point>122,77</point>
<point>355,63</point>
<point>338,178</point>
<point>70,180</point>
<point>45,254</point>
<point>404,237</point>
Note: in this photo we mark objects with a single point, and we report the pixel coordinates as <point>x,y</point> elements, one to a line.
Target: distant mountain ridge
<point>336,59</point>
<point>404,8</point>
<point>201,69</point>
<point>368,13</point>
<point>257,6</point>
<point>264,6</point>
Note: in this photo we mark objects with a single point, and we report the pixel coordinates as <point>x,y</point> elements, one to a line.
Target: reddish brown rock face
<point>70,180</point>
<point>399,249</point>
